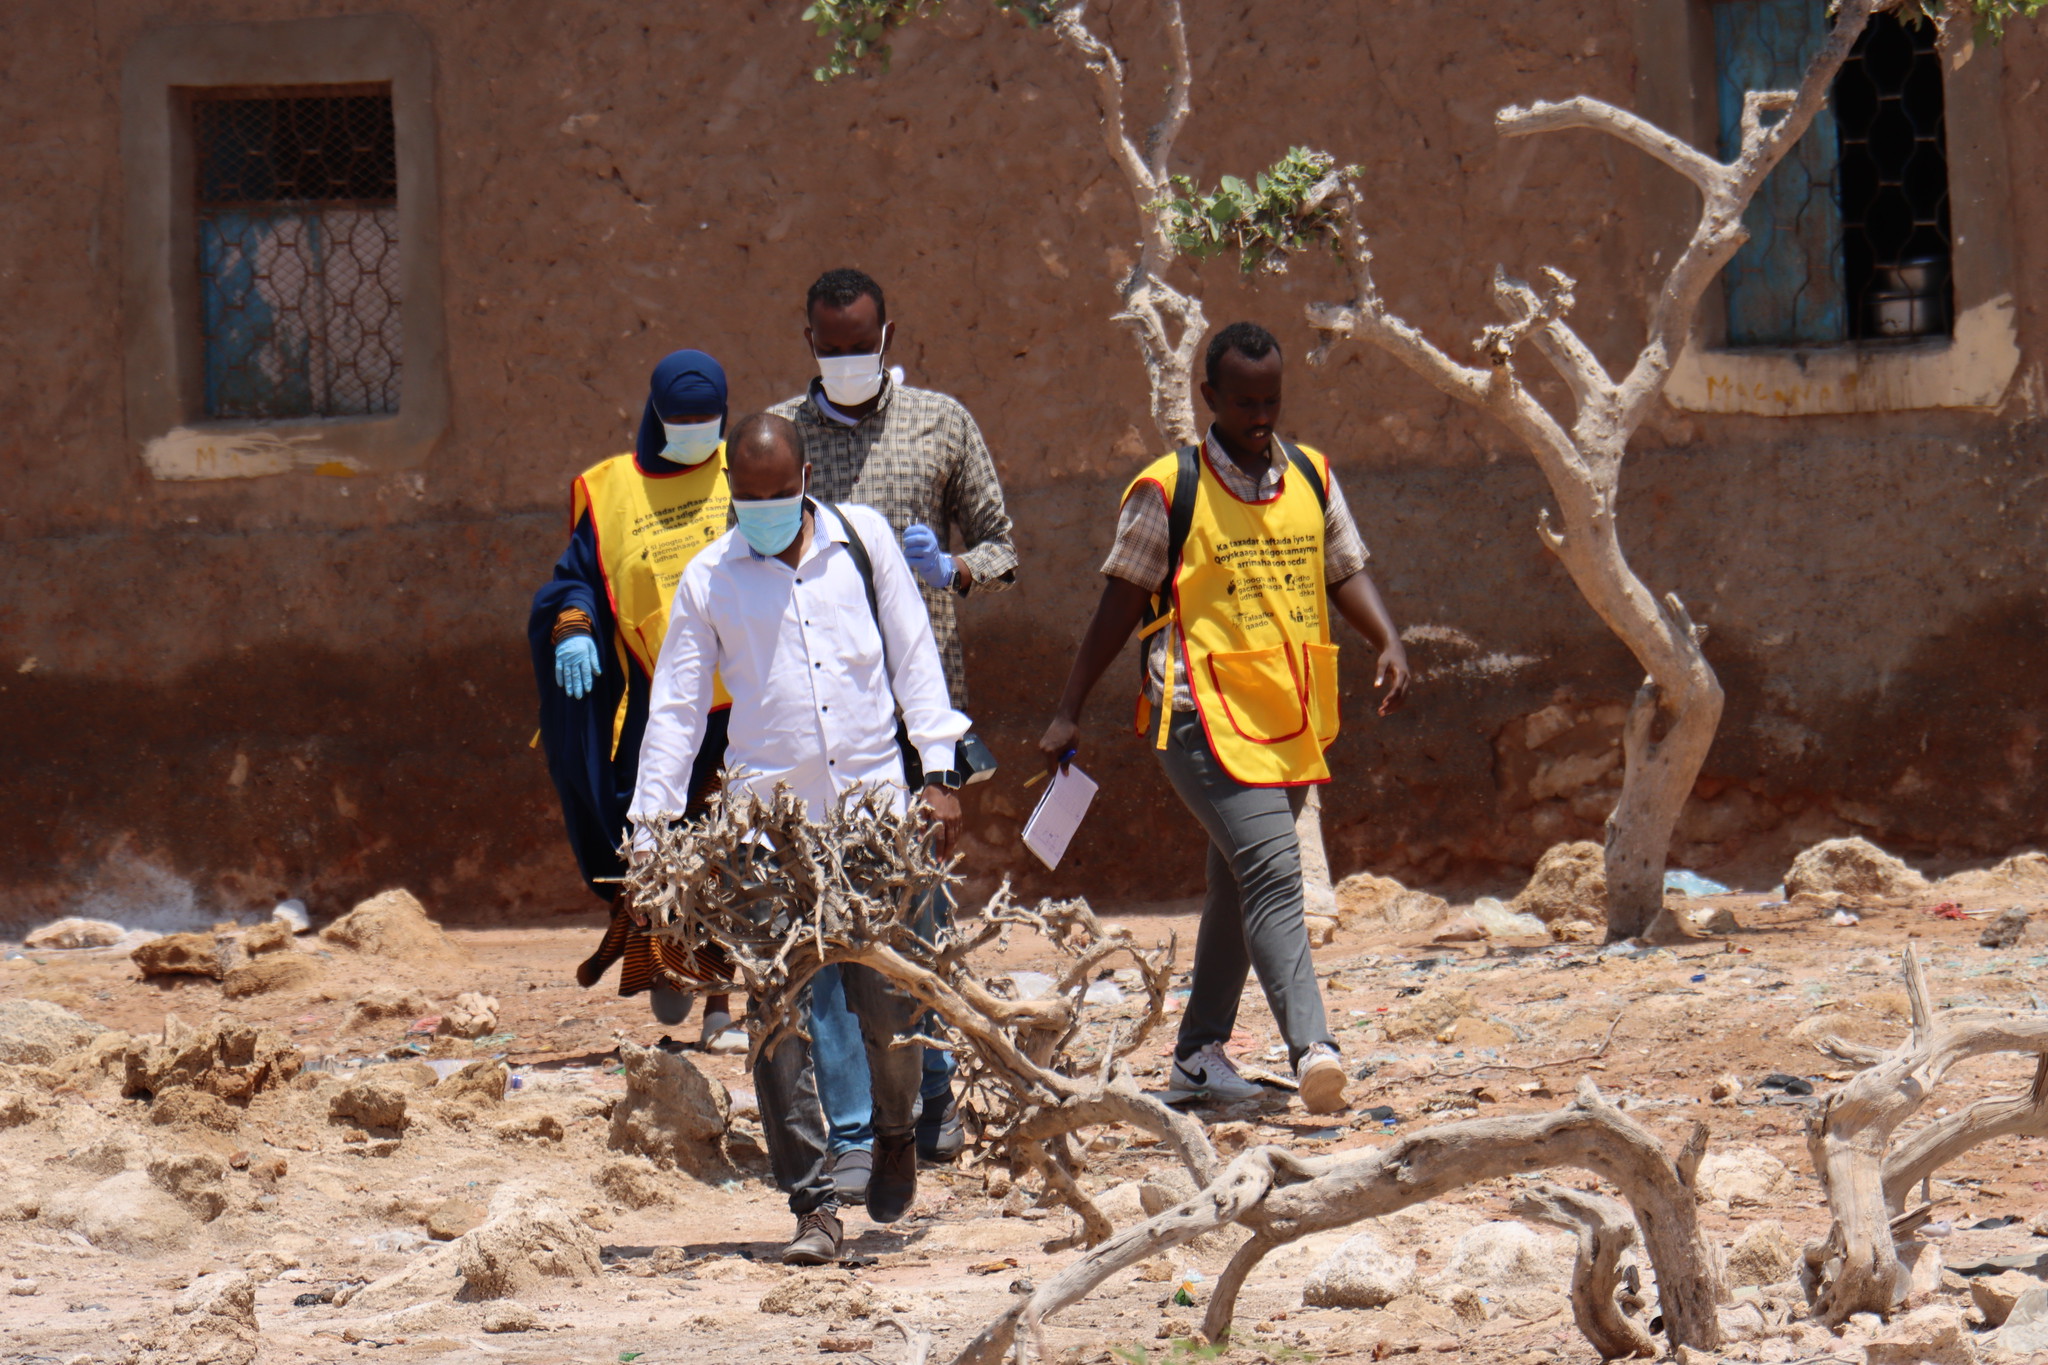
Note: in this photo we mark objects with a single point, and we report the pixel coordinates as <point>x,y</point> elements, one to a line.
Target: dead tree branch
<point>1604,1230</point>
<point>1167,323</point>
<point>1856,1269</point>
<point>786,895</point>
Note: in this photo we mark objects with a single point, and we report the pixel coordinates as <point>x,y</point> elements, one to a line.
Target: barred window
<point>1849,237</point>
<point>299,286</point>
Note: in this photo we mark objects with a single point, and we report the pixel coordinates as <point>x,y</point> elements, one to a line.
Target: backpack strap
<point>913,766</point>
<point>1308,471</point>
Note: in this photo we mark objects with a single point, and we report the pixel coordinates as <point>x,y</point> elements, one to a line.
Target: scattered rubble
<point>830,1294</point>
<point>1570,882</point>
<point>74,933</point>
<point>1934,1335</point>
<point>1764,1254</point>
<point>394,924</point>
<point>522,1248</point>
<point>37,1033</point>
<point>1744,1175</point>
<point>374,1007</point>
<point>1430,1013</point>
<point>375,1103</point>
<point>1852,867</point>
<point>636,1184</point>
<point>2005,931</point>
<point>1995,1295</point>
<point>1716,919</point>
<point>213,1322</point>
<point>179,955</point>
<point>1364,899</point>
<point>451,1218</point>
<point>672,1113</point>
<point>275,972</point>
<point>471,1016</point>
<point>229,1060</point>
<point>1359,1274</point>
<point>2025,1332</point>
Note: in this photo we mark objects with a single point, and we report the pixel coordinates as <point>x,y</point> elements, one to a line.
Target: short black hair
<point>842,287</point>
<point>1248,339</point>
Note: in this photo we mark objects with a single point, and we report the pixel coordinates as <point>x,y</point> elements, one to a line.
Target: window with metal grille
<point>299,285</point>
<point>1849,237</point>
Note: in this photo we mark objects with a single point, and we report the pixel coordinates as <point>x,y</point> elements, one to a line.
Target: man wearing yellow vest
<point>596,630</point>
<point>1226,553</point>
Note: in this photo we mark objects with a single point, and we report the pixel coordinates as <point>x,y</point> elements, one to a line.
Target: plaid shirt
<point>1139,555</point>
<point>918,457</point>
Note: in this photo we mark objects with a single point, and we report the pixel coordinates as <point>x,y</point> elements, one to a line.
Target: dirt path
<point>684,1280</point>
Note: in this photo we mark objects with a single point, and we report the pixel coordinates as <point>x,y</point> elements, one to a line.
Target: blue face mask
<point>690,442</point>
<point>770,524</point>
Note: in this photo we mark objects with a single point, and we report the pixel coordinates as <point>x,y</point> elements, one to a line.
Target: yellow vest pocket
<point>1262,692</point>
<point>1320,662</point>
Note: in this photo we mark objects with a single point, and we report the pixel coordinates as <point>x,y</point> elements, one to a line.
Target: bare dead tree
<point>1856,1268</point>
<point>786,895</point>
<point>1676,711</point>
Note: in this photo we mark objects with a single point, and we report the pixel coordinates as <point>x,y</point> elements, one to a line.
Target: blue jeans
<point>840,1056</point>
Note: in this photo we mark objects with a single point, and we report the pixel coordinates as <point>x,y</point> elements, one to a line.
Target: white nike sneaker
<point>1209,1075</point>
<point>1320,1077</point>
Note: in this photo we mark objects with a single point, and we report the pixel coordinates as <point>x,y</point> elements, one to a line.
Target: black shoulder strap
<point>1308,471</point>
<point>857,547</point>
<point>913,770</point>
<point>1187,480</point>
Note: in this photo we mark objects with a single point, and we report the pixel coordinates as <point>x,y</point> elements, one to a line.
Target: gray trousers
<point>791,1119</point>
<point>1252,917</point>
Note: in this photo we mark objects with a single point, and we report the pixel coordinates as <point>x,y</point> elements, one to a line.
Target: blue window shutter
<point>1784,288</point>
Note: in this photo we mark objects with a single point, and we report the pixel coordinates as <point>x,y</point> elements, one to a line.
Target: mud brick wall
<point>215,693</point>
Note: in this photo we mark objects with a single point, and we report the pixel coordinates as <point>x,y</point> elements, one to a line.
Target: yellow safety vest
<point>1248,599</point>
<point>649,527</point>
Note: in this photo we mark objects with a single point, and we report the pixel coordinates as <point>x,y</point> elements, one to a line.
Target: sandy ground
<point>684,1282</point>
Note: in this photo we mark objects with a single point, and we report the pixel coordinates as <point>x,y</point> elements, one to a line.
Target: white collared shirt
<point>813,703</point>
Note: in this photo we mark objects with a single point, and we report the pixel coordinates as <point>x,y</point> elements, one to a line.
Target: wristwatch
<point>949,778</point>
<point>958,585</point>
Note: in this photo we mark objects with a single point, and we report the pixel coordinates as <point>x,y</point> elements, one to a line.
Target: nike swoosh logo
<point>1198,1077</point>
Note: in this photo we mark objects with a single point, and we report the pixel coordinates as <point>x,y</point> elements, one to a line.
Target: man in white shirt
<point>779,608</point>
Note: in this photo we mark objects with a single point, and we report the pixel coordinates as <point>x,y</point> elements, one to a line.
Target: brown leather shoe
<point>893,1185</point>
<point>816,1241</point>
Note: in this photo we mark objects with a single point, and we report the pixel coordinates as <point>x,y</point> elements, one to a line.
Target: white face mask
<point>851,380</point>
<point>691,442</point>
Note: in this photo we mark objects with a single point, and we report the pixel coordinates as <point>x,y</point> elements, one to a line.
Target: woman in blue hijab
<point>595,632</point>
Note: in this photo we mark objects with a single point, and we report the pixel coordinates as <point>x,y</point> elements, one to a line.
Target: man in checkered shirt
<point>916,457</point>
<point>913,455</point>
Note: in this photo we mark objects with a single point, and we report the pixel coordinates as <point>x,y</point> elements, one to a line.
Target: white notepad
<point>1059,813</point>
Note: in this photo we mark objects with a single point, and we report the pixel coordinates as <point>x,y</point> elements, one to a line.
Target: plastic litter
<point>1844,918</point>
<point>1692,883</point>
<point>1184,1289</point>
<point>293,912</point>
<point>1031,985</point>
<point>1501,922</point>
<point>1790,1085</point>
<point>1699,976</point>
<point>1104,992</point>
<point>2003,1221</point>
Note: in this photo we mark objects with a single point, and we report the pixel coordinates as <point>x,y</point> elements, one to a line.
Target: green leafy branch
<point>1988,17</point>
<point>1283,210</point>
<point>858,28</point>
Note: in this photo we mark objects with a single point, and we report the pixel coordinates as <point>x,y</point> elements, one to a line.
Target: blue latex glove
<point>577,665</point>
<point>927,560</point>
